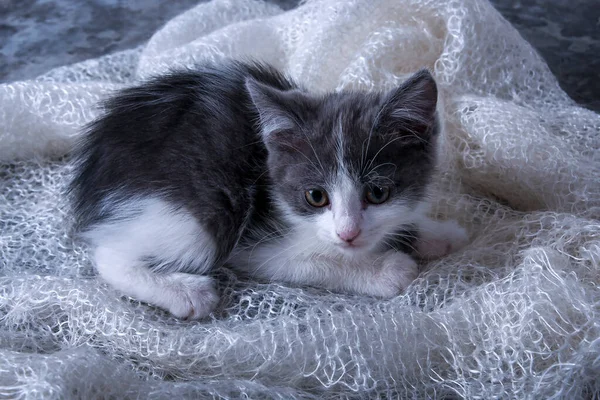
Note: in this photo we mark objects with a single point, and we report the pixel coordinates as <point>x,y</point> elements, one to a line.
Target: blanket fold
<point>513,315</point>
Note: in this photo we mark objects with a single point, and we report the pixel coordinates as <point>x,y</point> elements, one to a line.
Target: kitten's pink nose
<point>349,235</point>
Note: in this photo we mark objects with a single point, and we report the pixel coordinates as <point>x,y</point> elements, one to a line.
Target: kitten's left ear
<point>277,109</point>
<point>410,110</point>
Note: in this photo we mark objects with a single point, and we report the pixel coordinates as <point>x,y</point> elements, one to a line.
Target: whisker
<point>248,144</point>
<point>322,170</point>
<point>313,150</point>
<point>375,122</point>
<point>392,245</point>
<point>268,169</point>
<point>382,165</point>
<point>381,149</point>
<point>263,240</point>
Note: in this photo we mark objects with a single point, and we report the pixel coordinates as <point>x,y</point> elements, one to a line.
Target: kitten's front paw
<point>438,239</point>
<point>190,296</point>
<point>398,271</point>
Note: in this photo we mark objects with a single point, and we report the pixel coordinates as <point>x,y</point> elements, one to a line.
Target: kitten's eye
<point>316,197</point>
<point>377,194</point>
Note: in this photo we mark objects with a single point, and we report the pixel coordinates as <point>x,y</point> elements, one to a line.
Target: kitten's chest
<point>288,255</point>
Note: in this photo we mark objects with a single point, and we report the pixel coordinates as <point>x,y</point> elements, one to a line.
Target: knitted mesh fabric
<point>513,315</point>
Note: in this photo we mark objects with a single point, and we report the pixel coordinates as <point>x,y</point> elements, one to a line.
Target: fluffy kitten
<point>236,163</point>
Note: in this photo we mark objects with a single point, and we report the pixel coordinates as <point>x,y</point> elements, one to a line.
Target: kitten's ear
<point>410,110</point>
<point>277,109</point>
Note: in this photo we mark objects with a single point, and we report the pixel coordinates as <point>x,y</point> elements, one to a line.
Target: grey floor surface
<point>36,35</point>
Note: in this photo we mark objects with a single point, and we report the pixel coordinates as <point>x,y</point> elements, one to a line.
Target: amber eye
<point>316,197</point>
<point>378,194</point>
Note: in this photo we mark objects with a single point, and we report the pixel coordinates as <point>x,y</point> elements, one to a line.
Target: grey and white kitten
<point>236,163</point>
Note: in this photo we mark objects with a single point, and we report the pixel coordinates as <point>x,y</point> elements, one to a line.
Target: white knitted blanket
<point>516,314</point>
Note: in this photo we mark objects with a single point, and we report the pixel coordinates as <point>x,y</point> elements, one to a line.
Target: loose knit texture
<point>516,314</point>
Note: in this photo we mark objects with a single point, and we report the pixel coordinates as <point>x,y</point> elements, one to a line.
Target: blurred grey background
<point>37,35</point>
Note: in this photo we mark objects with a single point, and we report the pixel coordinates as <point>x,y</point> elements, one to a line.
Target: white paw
<point>189,296</point>
<point>398,271</point>
<point>438,239</point>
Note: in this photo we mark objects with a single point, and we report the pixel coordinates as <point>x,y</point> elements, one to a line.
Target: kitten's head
<point>350,168</point>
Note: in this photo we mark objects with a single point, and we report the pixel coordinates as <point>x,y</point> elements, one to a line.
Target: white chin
<point>353,249</point>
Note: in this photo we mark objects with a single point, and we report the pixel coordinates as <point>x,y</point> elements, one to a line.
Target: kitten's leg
<point>170,238</point>
<point>439,238</point>
<point>389,276</point>
<point>184,295</point>
<point>382,275</point>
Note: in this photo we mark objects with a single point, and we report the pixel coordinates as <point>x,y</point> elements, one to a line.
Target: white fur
<point>150,228</point>
<point>438,239</point>
<point>339,145</point>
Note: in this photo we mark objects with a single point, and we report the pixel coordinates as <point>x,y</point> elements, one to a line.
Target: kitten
<point>236,163</point>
